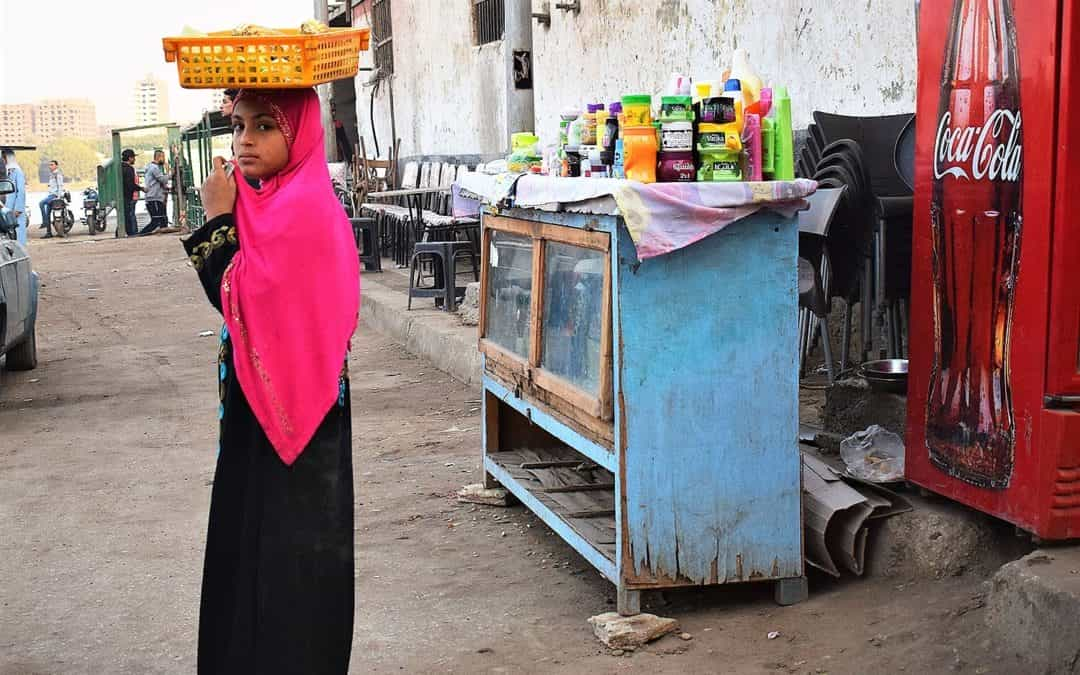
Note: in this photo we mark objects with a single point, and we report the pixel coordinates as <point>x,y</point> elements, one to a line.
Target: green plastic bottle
<point>783,137</point>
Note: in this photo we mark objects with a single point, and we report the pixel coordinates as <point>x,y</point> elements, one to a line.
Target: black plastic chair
<point>891,199</point>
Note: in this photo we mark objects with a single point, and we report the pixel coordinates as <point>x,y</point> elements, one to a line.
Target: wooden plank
<point>597,513</point>
<point>709,396</point>
<point>591,239</point>
<point>485,276</point>
<point>490,442</point>
<point>551,464</point>
<point>536,326</point>
<point>504,358</point>
<point>606,391</point>
<point>587,403</point>
<point>584,487</point>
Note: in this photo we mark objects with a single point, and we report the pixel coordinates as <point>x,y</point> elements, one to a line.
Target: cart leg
<point>790,591</point>
<point>628,603</point>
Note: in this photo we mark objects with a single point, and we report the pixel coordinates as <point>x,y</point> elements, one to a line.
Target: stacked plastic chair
<point>866,258</point>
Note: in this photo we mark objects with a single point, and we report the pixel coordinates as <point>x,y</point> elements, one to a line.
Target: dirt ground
<point>106,459</point>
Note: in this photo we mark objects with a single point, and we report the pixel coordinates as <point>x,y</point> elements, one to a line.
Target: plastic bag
<point>874,455</point>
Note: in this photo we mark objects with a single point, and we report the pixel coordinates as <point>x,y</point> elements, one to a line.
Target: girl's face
<point>258,143</point>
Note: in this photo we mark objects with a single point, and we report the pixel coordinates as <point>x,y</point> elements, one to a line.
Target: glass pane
<point>573,299</point>
<point>509,300</point>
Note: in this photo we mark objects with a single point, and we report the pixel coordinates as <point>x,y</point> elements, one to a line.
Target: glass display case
<point>546,316</point>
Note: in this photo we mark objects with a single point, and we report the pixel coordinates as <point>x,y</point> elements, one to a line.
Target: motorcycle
<point>93,213</point>
<point>61,219</point>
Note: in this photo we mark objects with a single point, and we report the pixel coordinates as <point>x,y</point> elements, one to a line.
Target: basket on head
<point>286,59</point>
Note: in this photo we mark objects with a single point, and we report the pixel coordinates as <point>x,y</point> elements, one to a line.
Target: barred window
<point>383,36</point>
<point>489,20</point>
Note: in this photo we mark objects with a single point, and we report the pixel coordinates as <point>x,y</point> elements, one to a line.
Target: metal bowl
<point>886,374</point>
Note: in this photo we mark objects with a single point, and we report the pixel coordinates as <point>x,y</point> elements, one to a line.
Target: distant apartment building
<point>151,101</point>
<point>59,118</point>
<point>47,120</point>
<point>16,123</point>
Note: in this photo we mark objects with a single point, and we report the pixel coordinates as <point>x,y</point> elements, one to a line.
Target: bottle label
<point>991,152</point>
<point>676,140</point>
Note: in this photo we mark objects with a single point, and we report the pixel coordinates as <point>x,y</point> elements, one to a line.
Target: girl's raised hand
<point>219,190</point>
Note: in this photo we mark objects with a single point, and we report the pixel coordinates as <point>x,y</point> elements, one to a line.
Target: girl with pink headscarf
<point>278,259</point>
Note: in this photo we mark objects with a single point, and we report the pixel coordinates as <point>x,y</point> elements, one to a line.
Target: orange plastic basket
<point>293,59</point>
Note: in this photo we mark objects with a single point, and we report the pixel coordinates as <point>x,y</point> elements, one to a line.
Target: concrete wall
<point>848,56</point>
<point>450,96</point>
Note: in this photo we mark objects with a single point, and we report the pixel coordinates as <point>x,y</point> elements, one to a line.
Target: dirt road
<point>106,459</point>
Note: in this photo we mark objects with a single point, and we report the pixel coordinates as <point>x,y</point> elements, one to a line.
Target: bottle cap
<point>733,85</point>
<point>637,99</point>
<point>596,107</point>
<point>615,108</point>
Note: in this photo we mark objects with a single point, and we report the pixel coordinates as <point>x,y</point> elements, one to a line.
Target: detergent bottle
<point>783,138</point>
<point>742,71</point>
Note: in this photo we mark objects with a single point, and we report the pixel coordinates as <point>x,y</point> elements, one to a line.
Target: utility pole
<point>322,14</point>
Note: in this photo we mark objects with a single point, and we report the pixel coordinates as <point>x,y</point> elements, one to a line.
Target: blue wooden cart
<point>647,411</point>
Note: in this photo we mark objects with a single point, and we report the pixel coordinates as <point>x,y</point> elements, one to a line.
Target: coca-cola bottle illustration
<point>976,218</point>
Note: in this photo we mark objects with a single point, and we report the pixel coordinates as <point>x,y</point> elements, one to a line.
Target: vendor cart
<point>647,410</point>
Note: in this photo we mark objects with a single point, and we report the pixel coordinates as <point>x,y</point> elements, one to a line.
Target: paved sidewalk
<point>425,331</point>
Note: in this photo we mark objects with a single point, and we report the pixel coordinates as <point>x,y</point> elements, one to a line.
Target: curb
<point>432,334</point>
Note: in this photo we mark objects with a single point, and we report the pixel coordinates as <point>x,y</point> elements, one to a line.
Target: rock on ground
<point>469,309</point>
<point>1034,609</point>
<point>619,632</point>
<point>476,493</point>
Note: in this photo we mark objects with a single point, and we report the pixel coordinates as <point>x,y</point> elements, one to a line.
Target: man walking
<point>56,191</point>
<point>131,191</point>
<point>157,186</point>
<point>16,202</point>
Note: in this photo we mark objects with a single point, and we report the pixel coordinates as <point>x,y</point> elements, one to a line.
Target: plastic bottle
<point>588,134</point>
<point>762,107</point>
<point>637,110</point>
<point>575,132</point>
<point>601,126</point>
<point>586,166</point>
<point>610,135</point>
<point>783,138</point>
<point>617,169</point>
<point>751,138</point>
<point>596,165</point>
<point>640,148</point>
<point>742,70</point>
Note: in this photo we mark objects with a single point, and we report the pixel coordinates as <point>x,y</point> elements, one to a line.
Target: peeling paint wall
<point>454,98</point>
<point>451,97</point>
<point>847,56</point>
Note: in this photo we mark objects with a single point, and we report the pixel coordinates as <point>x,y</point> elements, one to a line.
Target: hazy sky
<point>97,49</point>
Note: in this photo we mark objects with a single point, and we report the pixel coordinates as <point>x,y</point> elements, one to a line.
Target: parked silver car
<point>18,294</point>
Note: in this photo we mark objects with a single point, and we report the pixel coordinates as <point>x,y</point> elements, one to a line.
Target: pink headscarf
<point>292,292</point>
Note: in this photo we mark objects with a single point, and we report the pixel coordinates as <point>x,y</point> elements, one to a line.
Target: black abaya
<point>277,594</point>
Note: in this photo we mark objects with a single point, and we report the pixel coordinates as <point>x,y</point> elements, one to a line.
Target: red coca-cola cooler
<point>994,384</point>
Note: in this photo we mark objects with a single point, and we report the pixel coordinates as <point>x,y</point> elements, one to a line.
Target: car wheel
<point>24,355</point>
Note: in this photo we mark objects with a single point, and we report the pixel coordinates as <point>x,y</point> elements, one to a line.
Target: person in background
<point>131,190</point>
<point>16,201</point>
<point>157,186</point>
<point>56,191</point>
<point>228,96</point>
<point>345,150</point>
